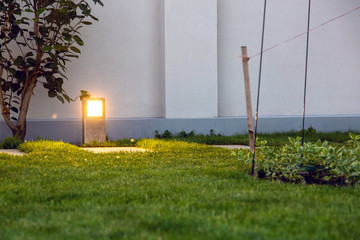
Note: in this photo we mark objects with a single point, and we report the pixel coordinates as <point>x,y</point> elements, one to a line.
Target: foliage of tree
<point>37,39</point>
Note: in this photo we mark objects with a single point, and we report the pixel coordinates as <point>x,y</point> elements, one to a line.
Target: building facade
<point>173,64</point>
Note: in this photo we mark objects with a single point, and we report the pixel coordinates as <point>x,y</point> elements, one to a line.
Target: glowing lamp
<point>93,120</point>
<point>94,108</point>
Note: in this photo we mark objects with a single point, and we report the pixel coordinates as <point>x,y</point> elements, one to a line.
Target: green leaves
<point>84,94</point>
<point>86,22</point>
<point>46,48</point>
<point>40,11</point>
<point>52,94</point>
<point>75,49</point>
<point>18,61</point>
<point>312,163</point>
<point>66,97</point>
<point>99,2</point>
<point>78,40</point>
<point>29,10</point>
<point>58,47</point>
<point>61,99</point>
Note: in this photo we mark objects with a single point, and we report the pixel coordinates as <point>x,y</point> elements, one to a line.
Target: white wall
<point>191,58</point>
<point>333,80</point>
<point>335,65</point>
<point>180,60</point>
<point>122,60</point>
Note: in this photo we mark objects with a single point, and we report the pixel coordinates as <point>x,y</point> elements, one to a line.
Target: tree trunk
<point>20,128</point>
<point>20,131</point>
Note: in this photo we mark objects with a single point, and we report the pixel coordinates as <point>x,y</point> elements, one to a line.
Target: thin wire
<point>306,74</point>
<point>259,84</point>
<point>312,29</point>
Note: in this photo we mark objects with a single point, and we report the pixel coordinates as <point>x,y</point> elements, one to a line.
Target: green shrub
<point>167,134</point>
<point>10,143</point>
<point>317,162</point>
<point>184,134</point>
<point>157,134</point>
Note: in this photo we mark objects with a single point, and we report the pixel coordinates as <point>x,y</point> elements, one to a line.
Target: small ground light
<point>93,120</point>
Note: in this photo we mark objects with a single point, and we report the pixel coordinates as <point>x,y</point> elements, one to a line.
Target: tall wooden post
<point>245,60</point>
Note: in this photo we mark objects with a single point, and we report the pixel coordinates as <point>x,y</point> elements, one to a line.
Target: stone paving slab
<point>232,147</point>
<point>135,149</point>
<point>13,152</point>
<point>114,149</point>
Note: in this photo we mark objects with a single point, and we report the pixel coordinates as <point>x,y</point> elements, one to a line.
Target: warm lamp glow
<point>93,121</point>
<point>94,108</point>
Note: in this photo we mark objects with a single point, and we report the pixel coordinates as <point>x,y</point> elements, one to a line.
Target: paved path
<point>232,147</point>
<point>134,149</point>
<point>14,152</point>
<point>114,149</point>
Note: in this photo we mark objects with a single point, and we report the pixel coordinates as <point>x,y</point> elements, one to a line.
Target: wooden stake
<point>245,60</point>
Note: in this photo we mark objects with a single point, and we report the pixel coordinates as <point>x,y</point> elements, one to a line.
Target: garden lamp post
<point>93,120</point>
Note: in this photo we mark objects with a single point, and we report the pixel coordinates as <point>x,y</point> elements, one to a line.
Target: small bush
<point>10,143</point>
<point>166,134</point>
<point>310,131</point>
<point>184,134</point>
<point>317,162</point>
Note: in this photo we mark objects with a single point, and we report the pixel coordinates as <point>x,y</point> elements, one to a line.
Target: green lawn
<point>177,191</point>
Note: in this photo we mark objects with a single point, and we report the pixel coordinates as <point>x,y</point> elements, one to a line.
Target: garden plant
<point>317,162</point>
